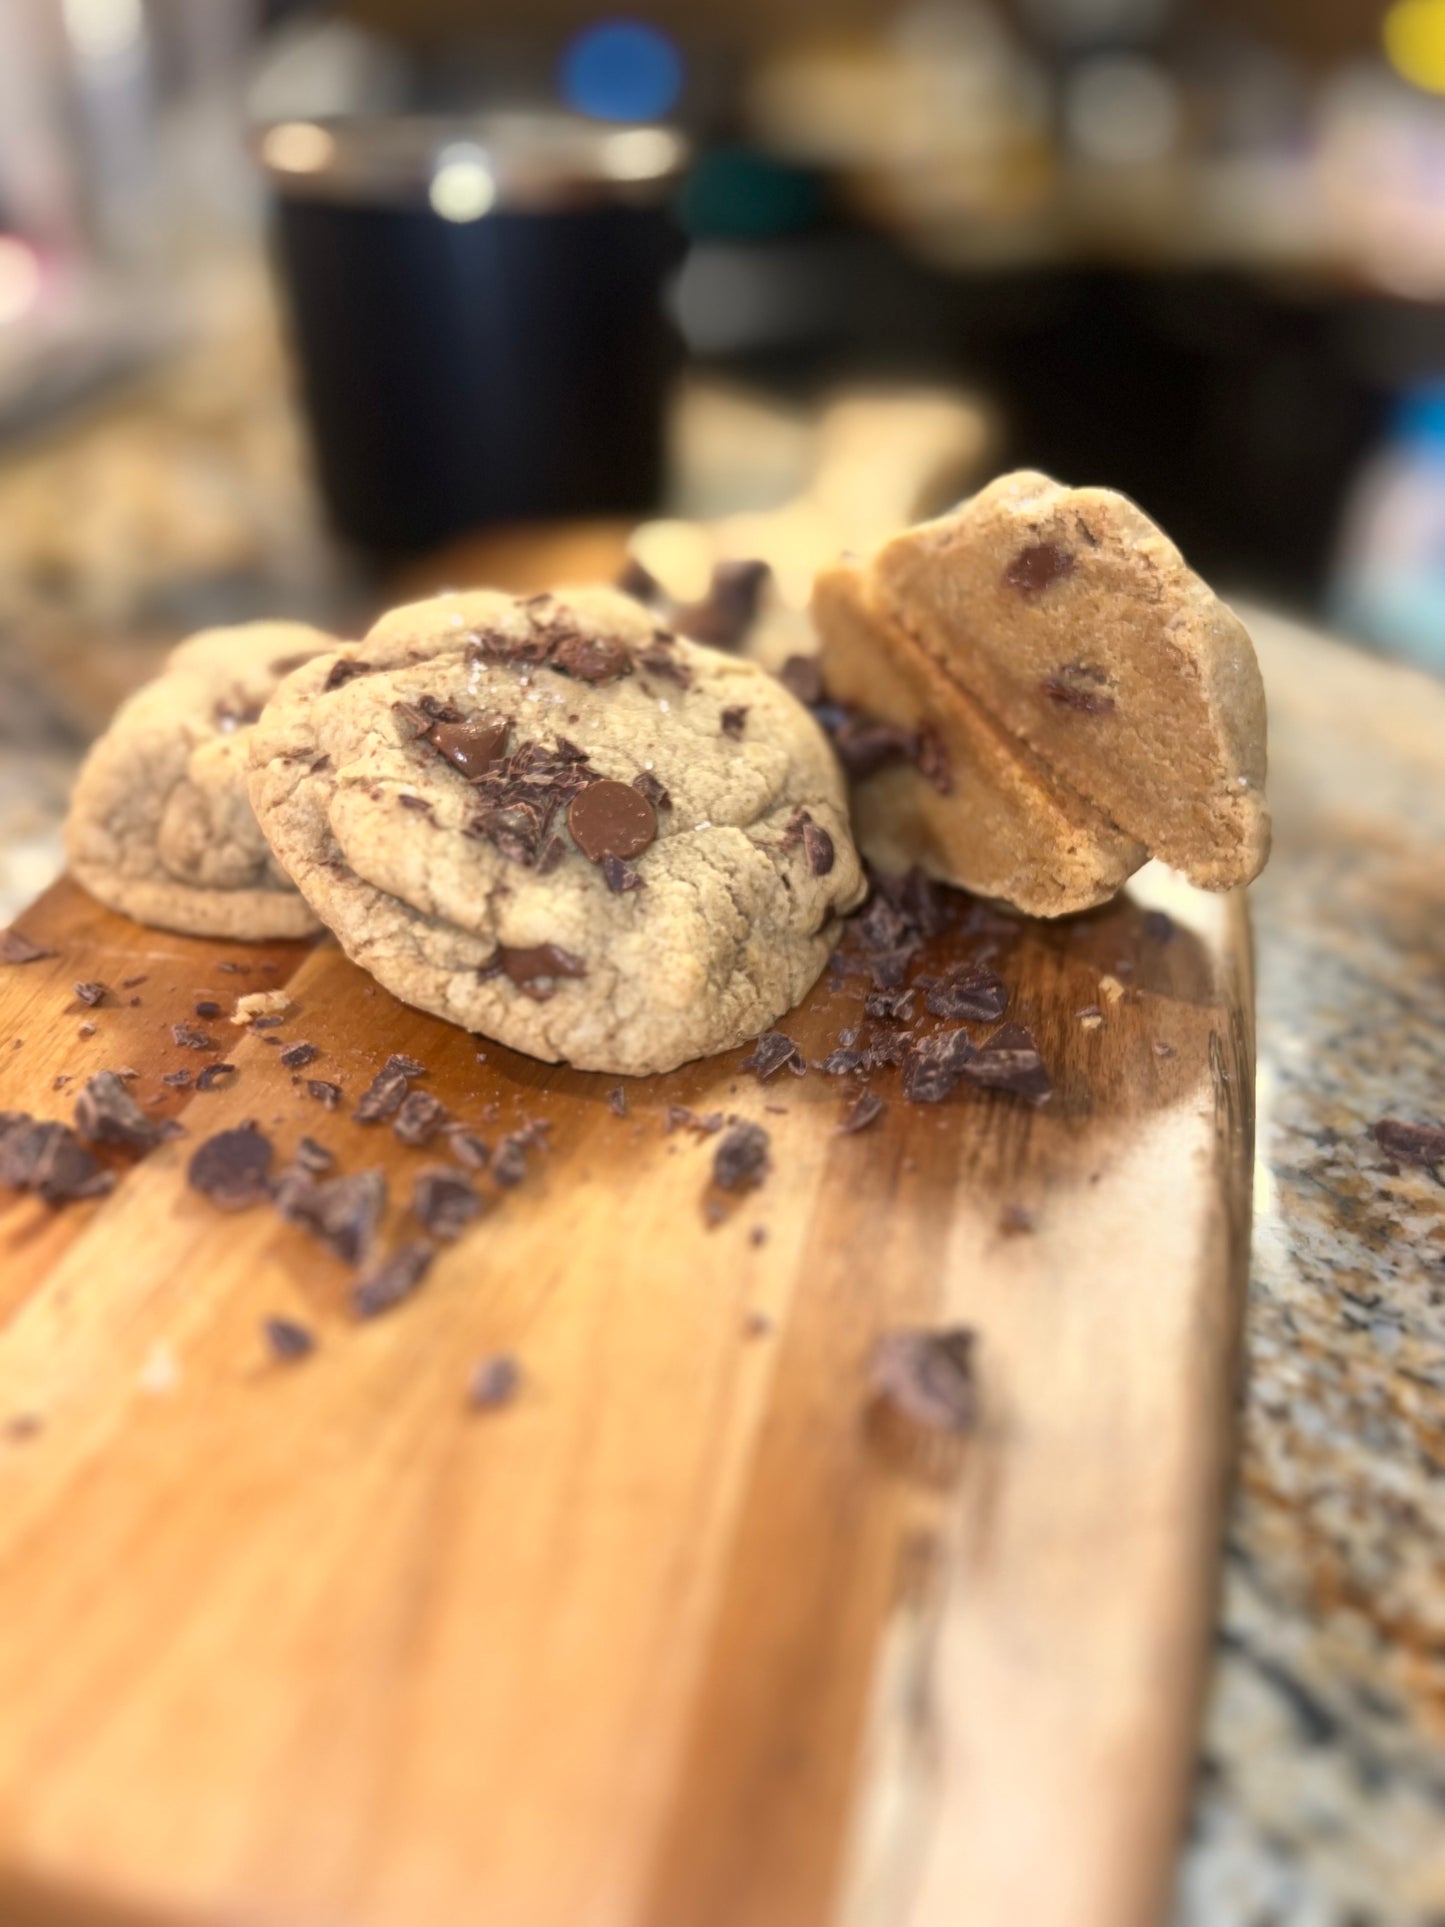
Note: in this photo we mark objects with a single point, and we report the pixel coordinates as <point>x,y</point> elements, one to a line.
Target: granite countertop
<point>1321,1798</point>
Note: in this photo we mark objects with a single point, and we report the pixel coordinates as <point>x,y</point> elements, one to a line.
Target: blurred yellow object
<point>1414,34</point>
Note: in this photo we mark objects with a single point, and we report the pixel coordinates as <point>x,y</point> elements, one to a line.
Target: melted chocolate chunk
<point>17,948</point>
<point>646,784</point>
<point>927,1377</point>
<point>1038,567</point>
<point>535,970</point>
<point>865,1109</point>
<point>90,994</point>
<point>233,1168</point>
<point>287,1340</point>
<point>620,877</point>
<point>189,1038</point>
<point>327,1095</point>
<point>342,1213</point>
<point>969,991</point>
<point>444,1201</point>
<point>1422,1144</point>
<point>46,1157</point>
<point>494,1382</point>
<point>611,819</point>
<point>802,677</point>
<point>383,1096</point>
<point>296,1055</point>
<point>934,1065</point>
<point>106,1113</point>
<point>474,746</point>
<point>769,1054</point>
<point>594,659</point>
<point>419,1119</point>
<point>734,721</point>
<point>1010,1061</point>
<point>741,1158</point>
<point>344,670</point>
<point>208,1078</point>
<point>392,1281</point>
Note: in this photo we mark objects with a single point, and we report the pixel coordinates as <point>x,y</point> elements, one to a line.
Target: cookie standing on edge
<point>160,827</point>
<point>553,822</point>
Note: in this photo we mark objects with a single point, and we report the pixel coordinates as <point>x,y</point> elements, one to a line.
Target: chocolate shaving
<point>344,670</point>
<point>866,1107</point>
<point>495,1382</point>
<point>106,1113</point>
<point>679,1117</point>
<point>296,1055</point>
<point>342,1213</point>
<point>17,948</point>
<point>233,1168</point>
<point>408,1066</point>
<point>328,1095</point>
<point>468,1149</point>
<point>934,1065</point>
<point>620,877</point>
<point>969,991</point>
<point>383,1096</point>
<point>419,1119</point>
<point>444,1201</point>
<point>802,677</point>
<point>210,1077</point>
<point>844,1059</point>
<point>1422,1144</point>
<point>392,1281</point>
<point>509,1166</point>
<point>314,1157</point>
<point>741,1158</point>
<point>769,1054</point>
<point>46,1157</point>
<point>927,1377</point>
<point>418,803</point>
<point>1037,567</point>
<point>733,721</point>
<point>189,1038</point>
<point>890,1006</point>
<point>1010,1061</point>
<point>287,1340</point>
<point>90,993</point>
<point>646,784</point>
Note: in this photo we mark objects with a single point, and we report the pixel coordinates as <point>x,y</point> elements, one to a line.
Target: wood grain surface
<point>672,1640</point>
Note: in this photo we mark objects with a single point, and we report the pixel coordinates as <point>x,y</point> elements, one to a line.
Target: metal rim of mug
<point>468,167</point>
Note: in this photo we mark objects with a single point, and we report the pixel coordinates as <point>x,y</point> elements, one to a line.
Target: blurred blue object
<point>621,70</point>
<point>1389,584</point>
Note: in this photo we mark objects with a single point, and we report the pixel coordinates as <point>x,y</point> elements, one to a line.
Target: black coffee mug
<point>478,313</point>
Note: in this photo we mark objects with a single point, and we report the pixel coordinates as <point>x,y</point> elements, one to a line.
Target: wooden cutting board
<point>670,1641</point>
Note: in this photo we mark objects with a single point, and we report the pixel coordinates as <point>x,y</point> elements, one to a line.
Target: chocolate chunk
<point>17,948</point>
<point>864,746</point>
<point>383,1096</point>
<point>890,1006</point>
<point>210,1077</point>
<point>1422,1144</point>
<point>769,1054</point>
<point>927,1377</point>
<point>1010,1061</point>
<point>535,970</point>
<point>314,1157</point>
<point>344,670</point>
<point>934,1065</point>
<point>189,1038</point>
<point>91,993</point>
<point>325,1094</point>
<point>889,1049</point>
<point>106,1113</point>
<point>444,1201</point>
<point>473,746</point>
<point>233,1168</point>
<point>617,1101</point>
<point>969,991</point>
<point>497,645</point>
<point>178,1080</point>
<point>817,847</point>
<point>394,1280</point>
<point>1037,567</point>
<point>342,1212</point>
<point>741,1158</point>
<point>733,721</point>
<point>468,1149</point>
<point>296,1055</point>
<point>594,659</point>
<point>839,1062</point>
<point>288,1340</point>
<point>679,1116</point>
<point>495,1382</point>
<point>509,1166</point>
<point>660,661</point>
<point>419,1119</point>
<point>611,819</point>
<point>620,877</point>
<point>46,1157</point>
<point>638,581</point>
<point>408,1066</point>
<point>647,785</point>
<point>865,1108</point>
<point>724,616</point>
<point>207,1007</point>
<point>802,676</point>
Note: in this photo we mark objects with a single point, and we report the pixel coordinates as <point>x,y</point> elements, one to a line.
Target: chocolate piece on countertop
<point>342,1213</point>
<point>770,1053</point>
<point>287,1340</point>
<point>17,948</point>
<point>420,1118</point>
<point>444,1201</point>
<point>233,1168</point>
<point>495,1382</point>
<point>968,991</point>
<point>1010,1061</point>
<point>741,1158</point>
<point>393,1281</point>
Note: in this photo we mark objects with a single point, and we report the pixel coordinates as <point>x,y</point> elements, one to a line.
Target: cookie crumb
<point>260,1003</point>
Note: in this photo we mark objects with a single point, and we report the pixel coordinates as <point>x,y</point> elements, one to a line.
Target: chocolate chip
<point>839,1062</point>
<point>17,948</point>
<point>210,1077</point>
<point>927,1377</point>
<point>383,1096</point>
<point>769,1054</point>
<point>207,1007</point>
<point>189,1038</point>
<point>419,1119</point>
<point>342,1213</point>
<point>890,1006</point>
<point>495,1382</point>
<point>865,1108</point>
<point>1010,1061</point>
<point>679,1116</point>
<point>314,1157</point>
<point>802,677</point>
<point>444,1201</point>
<point>509,1166</point>
<point>934,1065</point>
<point>1422,1144</point>
<point>617,1101</point>
<point>325,1094</point>
<point>287,1340</point>
<point>594,659</point>
<point>646,784</point>
<point>1037,567</point>
<point>733,721</point>
<point>741,1158</point>
<point>232,1168</point>
<point>178,1080</point>
<point>620,877</point>
<point>90,993</point>
<point>611,819</point>
<point>468,1149</point>
<point>296,1055</point>
<point>106,1113</point>
<point>392,1281</point>
<point>535,969</point>
<point>473,746</point>
<point>969,991</point>
<point>817,847</point>
<point>344,670</point>
<point>46,1157</point>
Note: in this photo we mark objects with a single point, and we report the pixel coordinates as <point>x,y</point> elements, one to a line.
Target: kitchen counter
<point>1322,1776</point>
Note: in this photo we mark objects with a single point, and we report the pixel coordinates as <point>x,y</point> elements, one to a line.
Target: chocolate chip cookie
<point>160,826</point>
<point>554,821</point>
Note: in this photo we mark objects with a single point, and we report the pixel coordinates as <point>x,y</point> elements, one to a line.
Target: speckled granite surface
<point>1322,1783</point>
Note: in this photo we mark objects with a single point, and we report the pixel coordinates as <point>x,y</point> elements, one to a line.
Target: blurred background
<point>291,292</point>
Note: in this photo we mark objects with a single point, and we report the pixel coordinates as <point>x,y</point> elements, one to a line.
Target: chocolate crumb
<point>408,1066</point>
<point>296,1055</point>
<point>1422,1144</point>
<point>1162,1049</point>
<point>189,1038</point>
<point>758,1235</point>
<point>933,1066</point>
<point>770,1053</point>
<point>927,1377</point>
<point>420,1118</point>
<point>968,991</point>
<point>17,948</point>
<point>733,721</point>
<point>178,1080</point>
<point>206,1007</point>
<point>888,1006</point>
<point>444,1201</point>
<point>1068,695</point>
<point>90,993</point>
<point>233,1168</point>
<point>930,754</point>
<point>287,1340</point>
<point>757,1324</point>
<point>210,1077</point>
<point>1010,1062</point>
<point>393,1281</point>
<point>617,1101</point>
<point>328,1095</point>
<point>680,1117</point>
<point>106,1113</point>
<point>383,1096</point>
<point>509,1166</point>
<point>314,1157</point>
<point>468,1149</point>
<point>741,1158</point>
<point>342,1212</point>
<point>130,983</point>
<point>838,1063</point>
<point>865,1108</point>
<point>495,1382</point>
<point>1038,567</point>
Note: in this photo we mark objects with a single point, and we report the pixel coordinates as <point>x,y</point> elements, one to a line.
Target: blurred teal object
<point>738,194</point>
<point>1389,580</point>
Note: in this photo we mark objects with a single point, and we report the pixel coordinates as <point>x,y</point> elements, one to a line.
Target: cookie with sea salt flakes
<point>1075,624</point>
<point>556,823</point>
<point>159,825</point>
